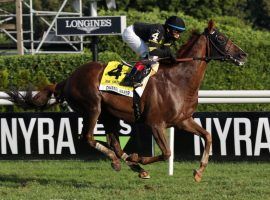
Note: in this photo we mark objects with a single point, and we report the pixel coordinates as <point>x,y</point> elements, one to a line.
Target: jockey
<point>152,41</point>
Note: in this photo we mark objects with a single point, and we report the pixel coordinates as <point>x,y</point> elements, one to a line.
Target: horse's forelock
<point>211,26</point>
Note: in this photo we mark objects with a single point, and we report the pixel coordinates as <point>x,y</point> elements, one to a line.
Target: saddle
<point>114,75</point>
<point>140,70</point>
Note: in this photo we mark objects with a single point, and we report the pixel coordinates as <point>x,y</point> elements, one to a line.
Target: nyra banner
<point>56,135</point>
<point>235,135</point>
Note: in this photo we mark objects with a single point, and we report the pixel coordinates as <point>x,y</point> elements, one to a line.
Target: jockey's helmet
<point>175,24</point>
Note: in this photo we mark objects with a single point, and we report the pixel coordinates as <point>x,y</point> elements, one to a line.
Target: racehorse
<point>170,98</point>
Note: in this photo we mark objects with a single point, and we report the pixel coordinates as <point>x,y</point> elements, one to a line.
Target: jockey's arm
<point>161,52</point>
<point>156,46</point>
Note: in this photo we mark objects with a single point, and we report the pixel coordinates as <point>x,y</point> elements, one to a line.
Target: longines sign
<point>103,25</point>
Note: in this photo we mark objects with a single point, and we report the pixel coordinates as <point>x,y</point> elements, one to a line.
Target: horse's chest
<point>187,108</point>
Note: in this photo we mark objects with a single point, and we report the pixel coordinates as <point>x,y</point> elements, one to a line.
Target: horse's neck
<point>189,75</point>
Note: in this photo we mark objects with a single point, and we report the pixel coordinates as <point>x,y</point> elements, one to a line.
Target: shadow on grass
<point>5,180</point>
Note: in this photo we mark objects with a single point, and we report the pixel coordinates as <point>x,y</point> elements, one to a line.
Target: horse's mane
<point>185,48</point>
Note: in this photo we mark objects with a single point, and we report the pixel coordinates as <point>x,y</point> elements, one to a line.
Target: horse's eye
<point>221,39</point>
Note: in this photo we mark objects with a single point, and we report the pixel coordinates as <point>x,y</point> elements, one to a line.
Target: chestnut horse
<point>169,99</point>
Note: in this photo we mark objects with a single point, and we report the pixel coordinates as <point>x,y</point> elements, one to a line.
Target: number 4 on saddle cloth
<point>115,77</point>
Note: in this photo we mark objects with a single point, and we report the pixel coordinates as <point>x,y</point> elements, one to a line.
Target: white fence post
<point>172,151</point>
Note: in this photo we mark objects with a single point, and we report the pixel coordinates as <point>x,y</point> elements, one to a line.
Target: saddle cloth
<point>113,75</point>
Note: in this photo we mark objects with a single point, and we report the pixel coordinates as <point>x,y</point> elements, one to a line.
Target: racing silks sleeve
<point>156,46</point>
<point>161,52</point>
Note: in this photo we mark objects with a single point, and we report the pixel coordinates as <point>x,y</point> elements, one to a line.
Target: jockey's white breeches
<point>135,42</point>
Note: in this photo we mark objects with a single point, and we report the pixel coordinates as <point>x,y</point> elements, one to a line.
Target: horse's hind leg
<point>89,122</point>
<point>113,140</point>
<point>110,125</point>
<point>191,126</point>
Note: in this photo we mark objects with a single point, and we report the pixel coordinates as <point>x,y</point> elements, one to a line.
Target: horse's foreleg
<point>158,132</point>
<point>191,126</point>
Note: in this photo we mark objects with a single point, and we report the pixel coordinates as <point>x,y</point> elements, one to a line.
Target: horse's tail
<point>39,100</point>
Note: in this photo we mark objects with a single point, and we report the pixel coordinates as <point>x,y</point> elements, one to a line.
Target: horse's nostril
<point>242,55</point>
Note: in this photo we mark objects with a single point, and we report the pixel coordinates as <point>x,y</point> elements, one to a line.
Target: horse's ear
<point>211,25</point>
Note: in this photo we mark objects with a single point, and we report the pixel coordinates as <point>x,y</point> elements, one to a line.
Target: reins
<point>205,58</point>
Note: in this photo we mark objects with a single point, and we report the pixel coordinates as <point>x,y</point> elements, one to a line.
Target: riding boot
<point>129,79</point>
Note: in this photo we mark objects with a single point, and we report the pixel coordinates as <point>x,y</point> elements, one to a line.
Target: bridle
<point>215,44</point>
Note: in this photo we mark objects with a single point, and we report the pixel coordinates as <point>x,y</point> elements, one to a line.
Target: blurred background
<point>246,22</point>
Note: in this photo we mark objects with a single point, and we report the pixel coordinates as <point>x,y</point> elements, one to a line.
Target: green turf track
<point>96,180</point>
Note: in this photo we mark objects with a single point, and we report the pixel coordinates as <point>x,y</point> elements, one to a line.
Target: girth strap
<point>136,106</point>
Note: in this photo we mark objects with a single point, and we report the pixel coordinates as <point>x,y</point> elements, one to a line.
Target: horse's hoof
<point>144,175</point>
<point>116,165</point>
<point>197,175</point>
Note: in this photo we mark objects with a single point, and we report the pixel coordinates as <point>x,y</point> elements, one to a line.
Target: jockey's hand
<point>153,58</point>
<point>173,59</point>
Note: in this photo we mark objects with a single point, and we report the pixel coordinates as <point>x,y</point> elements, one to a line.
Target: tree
<point>260,12</point>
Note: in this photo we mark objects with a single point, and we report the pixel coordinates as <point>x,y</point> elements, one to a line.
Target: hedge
<point>42,69</point>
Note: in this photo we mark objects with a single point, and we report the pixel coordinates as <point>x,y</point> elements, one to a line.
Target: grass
<point>56,180</point>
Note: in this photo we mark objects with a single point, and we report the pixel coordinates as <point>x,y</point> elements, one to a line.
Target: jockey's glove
<point>173,59</point>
